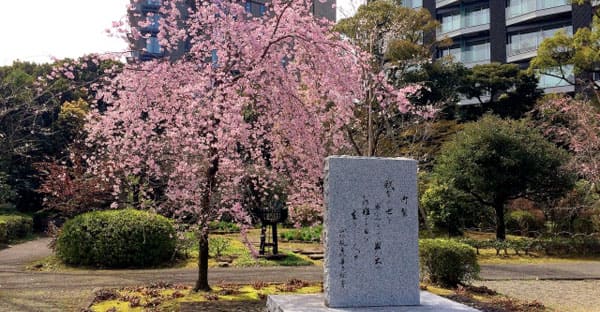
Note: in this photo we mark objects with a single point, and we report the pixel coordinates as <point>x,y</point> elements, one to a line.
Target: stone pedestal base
<point>315,303</point>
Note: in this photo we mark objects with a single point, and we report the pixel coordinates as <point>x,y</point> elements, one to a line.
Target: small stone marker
<point>371,232</point>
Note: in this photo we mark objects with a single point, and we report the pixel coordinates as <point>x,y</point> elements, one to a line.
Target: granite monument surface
<point>371,232</point>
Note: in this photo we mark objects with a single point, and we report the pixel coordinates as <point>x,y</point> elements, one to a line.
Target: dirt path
<point>580,270</point>
<point>16,256</point>
<point>21,290</point>
<point>560,295</point>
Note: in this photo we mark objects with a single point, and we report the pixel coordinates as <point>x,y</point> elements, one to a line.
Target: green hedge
<point>305,234</point>
<point>580,245</point>
<point>447,262</point>
<point>116,239</point>
<point>223,226</point>
<point>14,227</point>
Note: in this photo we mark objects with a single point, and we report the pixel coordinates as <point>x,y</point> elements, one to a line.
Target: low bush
<point>116,239</point>
<point>14,226</point>
<point>523,222</point>
<point>305,234</point>
<point>223,226</point>
<point>447,262</point>
<point>218,245</point>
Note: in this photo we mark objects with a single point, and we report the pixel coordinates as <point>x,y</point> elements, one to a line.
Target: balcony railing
<point>553,80</point>
<point>471,19</point>
<point>517,8</point>
<point>471,55</point>
<point>151,5</point>
<point>529,42</point>
<point>413,4</point>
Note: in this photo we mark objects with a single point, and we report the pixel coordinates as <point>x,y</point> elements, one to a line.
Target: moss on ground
<point>170,297</point>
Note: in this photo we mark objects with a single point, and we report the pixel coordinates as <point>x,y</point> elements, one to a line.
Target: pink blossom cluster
<point>272,105</point>
<point>575,124</point>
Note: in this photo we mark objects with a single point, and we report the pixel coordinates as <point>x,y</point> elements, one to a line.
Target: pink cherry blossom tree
<point>574,124</point>
<point>270,106</point>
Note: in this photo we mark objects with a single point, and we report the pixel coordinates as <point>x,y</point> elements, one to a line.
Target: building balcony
<point>145,55</point>
<point>524,46</point>
<point>554,84</point>
<point>469,54</point>
<point>524,10</point>
<point>462,31</point>
<point>150,5</point>
<point>413,4</point>
<point>443,3</point>
<point>469,22</point>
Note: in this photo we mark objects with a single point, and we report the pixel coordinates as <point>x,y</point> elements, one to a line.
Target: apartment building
<point>506,31</point>
<point>147,13</point>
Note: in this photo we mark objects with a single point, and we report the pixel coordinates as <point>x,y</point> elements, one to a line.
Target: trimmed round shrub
<point>447,262</point>
<point>117,239</point>
<point>523,222</point>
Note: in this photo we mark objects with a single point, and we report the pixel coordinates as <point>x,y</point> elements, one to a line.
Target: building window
<point>470,17</point>
<point>262,9</point>
<point>413,4</point>
<point>520,7</point>
<point>153,46</point>
<point>475,53</point>
<point>214,58</point>
<point>248,6</point>
<point>553,79</point>
<point>450,23</point>
<point>152,22</point>
<point>520,43</point>
<point>476,16</point>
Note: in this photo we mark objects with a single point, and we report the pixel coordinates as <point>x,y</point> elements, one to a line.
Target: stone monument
<point>371,241</point>
<point>371,232</point>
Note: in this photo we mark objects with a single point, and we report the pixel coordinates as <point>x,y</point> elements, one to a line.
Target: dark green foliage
<point>117,239</point>
<point>450,210</point>
<point>15,226</point>
<point>7,194</point>
<point>502,89</point>
<point>30,127</point>
<point>223,226</point>
<point>447,262</point>
<point>495,160</point>
<point>305,234</point>
<point>441,80</point>
<point>523,222</point>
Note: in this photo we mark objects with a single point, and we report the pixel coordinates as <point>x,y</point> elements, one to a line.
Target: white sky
<point>347,8</point>
<point>36,30</point>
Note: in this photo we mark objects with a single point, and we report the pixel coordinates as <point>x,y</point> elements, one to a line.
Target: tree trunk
<point>500,226</point>
<point>211,181</point>
<point>202,282</point>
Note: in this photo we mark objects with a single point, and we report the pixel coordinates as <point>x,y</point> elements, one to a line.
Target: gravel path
<point>564,296</point>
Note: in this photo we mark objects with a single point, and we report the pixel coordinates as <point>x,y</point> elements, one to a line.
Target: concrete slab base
<point>316,303</point>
